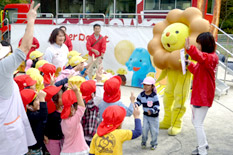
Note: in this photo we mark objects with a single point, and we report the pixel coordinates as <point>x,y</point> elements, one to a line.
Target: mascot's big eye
<point>130,59</point>
<point>140,60</point>
<point>177,32</point>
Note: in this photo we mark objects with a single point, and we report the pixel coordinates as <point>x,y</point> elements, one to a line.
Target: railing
<point>80,15</point>
<point>137,15</point>
<point>8,34</point>
<point>48,16</point>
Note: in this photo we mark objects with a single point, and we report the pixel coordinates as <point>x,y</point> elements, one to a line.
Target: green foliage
<point>226,16</point>
<point>4,2</point>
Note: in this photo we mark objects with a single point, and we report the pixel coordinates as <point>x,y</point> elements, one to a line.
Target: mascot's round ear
<point>192,17</point>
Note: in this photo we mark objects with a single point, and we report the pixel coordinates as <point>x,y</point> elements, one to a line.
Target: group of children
<point>72,114</point>
<point>66,110</point>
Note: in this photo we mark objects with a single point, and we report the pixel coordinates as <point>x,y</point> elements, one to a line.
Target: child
<point>91,116</point>
<point>35,56</point>
<point>150,102</point>
<point>74,108</point>
<point>53,133</point>
<point>203,90</point>
<point>37,115</point>
<point>112,96</point>
<point>110,136</point>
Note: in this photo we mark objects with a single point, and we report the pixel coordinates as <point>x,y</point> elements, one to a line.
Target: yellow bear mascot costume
<point>168,39</point>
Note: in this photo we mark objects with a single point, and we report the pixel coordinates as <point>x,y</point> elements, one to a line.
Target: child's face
<point>81,66</point>
<point>147,87</point>
<point>33,87</point>
<point>199,47</point>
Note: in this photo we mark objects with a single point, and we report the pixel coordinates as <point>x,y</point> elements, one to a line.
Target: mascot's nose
<point>167,34</point>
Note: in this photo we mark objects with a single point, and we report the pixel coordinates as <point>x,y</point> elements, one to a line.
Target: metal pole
<point>114,9</point>
<point>57,7</point>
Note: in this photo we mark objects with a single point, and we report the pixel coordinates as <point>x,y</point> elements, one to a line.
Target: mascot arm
<point>162,75</point>
<point>196,54</point>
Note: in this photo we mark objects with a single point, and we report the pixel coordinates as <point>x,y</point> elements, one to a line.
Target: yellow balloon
<point>123,51</point>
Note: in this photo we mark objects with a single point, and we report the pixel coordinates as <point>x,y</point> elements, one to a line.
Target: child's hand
<point>187,44</point>
<point>74,88</point>
<point>41,95</point>
<point>136,112</point>
<point>46,140</point>
<point>99,73</point>
<point>132,97</point>
<point>149,112</point>
<point>52,79</point>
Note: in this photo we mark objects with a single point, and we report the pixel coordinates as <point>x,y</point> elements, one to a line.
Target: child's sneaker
<point>196,152</point>
<point>143,145</point>
<point>153,147</point>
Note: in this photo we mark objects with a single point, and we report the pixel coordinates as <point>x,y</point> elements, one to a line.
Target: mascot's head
<point>169,35</point>
<point>173,37</point>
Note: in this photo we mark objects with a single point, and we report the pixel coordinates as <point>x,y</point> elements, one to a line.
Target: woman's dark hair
<point>6,43</point>
<point>96,25</point>
<point>207,42</point>
<point>53,36</point>
<point>62,27</point>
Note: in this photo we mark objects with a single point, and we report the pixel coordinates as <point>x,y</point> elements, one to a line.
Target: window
<point>12,15</point>
<point>70,6</point>
<point>210,6</point>
<point>166,4</point>
<point>125,6</point>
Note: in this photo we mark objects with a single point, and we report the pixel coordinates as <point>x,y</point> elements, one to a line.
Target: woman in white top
<point>57,52</point>
<point>15,130</point>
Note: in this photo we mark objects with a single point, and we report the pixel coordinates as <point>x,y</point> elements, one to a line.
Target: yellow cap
<point>72,53</point>
<point>35,54</point>
<point>39,81</point>
<point>40,63</point>
<point>121,71</point>
<point>32,71</point>
<point>76,80</point>
<point>75,60</point>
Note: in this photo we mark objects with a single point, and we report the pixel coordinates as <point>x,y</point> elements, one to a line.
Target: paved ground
<point>218,127</point>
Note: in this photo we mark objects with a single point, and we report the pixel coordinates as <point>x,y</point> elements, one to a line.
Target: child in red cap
<point>53,138</point>
<point>24,81</point>
<point>90,118</point>
<point>110,136</point>
<point>112,96</point>
<point>48,70</point>
<point>74,108</point>
<point>37,114</point>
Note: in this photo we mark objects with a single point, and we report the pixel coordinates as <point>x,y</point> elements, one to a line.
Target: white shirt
<point>57,55</point>
<point>15,130</point>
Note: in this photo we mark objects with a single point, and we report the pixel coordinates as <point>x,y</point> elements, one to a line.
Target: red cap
<point>68,99</point>
<point>47,69</point>
<point>27,96</point>
<point>113,116</point>
<point>24,81</point>
<point>51,91</point>
<point>87,88</point>
<point>112,92</point>
<point>51,107</point>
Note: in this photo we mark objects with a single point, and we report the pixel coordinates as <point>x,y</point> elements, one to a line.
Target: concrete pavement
<point>218,127</point>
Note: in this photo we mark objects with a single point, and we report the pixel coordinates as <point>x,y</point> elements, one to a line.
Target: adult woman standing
<point>57,52</point>
<point>15,131</point>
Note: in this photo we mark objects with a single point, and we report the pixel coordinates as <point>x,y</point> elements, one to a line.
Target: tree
<point>226,16</point>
